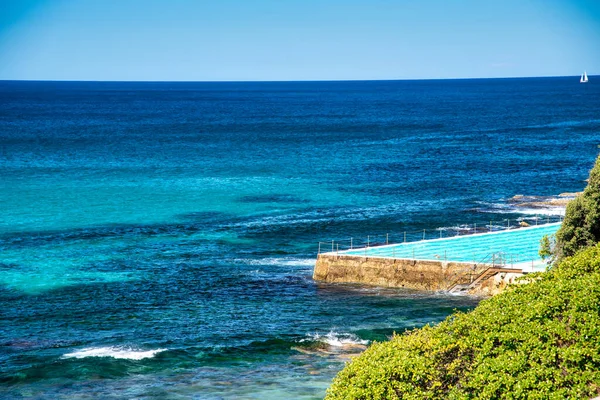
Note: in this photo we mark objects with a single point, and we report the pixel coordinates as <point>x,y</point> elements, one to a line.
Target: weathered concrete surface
<point>413,274</point>
<point>496,284</point>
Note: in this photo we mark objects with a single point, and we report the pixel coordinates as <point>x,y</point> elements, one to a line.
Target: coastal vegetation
<point>537,340</point>
<point>540,340</point>
<point>581,227</point>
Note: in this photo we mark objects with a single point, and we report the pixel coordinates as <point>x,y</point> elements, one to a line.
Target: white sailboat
<point>584,78</point>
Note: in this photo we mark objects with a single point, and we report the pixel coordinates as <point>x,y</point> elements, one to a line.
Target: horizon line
<point>287,80</point>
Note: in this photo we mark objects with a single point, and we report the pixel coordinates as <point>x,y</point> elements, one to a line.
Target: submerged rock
<point>542,202</point>
<point>570,194</point>
<point>344,352</point>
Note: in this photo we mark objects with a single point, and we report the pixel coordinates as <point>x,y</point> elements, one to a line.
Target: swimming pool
<point>515,246</point>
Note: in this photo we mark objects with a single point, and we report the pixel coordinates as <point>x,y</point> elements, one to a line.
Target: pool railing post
<point>350,243</point>
<point>404,236</point>
<point>508,224</point>
<point>332,247</point>
<point>387,238</point>
<point>319,252</point>
<point>368,240</point>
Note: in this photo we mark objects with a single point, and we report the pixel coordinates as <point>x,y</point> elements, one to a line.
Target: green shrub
<point>547,246</point>
<point>537,341</point>
<point>581,226</point>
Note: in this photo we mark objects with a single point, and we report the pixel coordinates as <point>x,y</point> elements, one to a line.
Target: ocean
<point>157,239</point>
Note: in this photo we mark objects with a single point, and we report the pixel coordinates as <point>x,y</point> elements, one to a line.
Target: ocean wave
<point>501,208</point>
<point>125,353</point>
<point>288,262</point>
<point>336,339</point>
<point>550,211</point>
<point>324,216</point>
<point>461,228</point>
<point>563,124</point>
<point>551,125</point>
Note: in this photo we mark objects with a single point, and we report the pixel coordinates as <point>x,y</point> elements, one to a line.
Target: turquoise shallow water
<point>157,240</point>
<point>514,246</point>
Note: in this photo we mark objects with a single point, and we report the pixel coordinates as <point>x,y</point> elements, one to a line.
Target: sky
<point>265,40</point>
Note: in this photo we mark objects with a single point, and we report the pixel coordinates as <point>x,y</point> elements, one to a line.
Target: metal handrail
<point>387,238</point>
<point>484,262</point>
<point>470,270</point>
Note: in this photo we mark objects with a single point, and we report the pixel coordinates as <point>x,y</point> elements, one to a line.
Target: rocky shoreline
<point>542,202</point>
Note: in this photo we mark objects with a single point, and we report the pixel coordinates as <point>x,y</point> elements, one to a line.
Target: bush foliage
<point>538,341</point>
<point>581,226</point>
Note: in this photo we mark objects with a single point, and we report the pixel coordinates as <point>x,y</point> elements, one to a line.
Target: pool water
<point>514,246</point>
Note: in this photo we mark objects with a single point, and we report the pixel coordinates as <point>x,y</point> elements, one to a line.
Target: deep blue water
<point>157,239</point>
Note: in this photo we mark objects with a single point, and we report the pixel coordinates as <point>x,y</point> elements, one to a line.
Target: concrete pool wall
<point>393,272</point>
<point>378,266</point>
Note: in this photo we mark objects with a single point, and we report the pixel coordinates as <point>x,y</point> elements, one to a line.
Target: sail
<point>584,77</point>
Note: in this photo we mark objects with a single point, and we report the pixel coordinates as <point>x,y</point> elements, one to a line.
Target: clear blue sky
<point>208,40</point>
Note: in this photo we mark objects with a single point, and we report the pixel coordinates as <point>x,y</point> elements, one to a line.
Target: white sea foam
<point>498,208</point>
<point>288,262</point>
<point>456,228</point>
<point>542,211</point>
<point>337,339</point>
<point>550,211</point>
<point>126,353</point>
